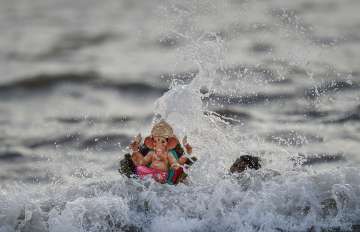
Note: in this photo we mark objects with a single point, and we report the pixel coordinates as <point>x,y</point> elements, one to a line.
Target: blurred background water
<point>277,79</point>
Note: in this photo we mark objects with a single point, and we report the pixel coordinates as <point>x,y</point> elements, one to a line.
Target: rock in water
<point>244,162</point>
<point>127,167</point>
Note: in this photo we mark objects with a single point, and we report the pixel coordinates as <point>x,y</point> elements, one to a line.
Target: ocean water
<point>276,79</point>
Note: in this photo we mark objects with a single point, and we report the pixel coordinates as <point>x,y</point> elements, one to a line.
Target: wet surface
<point>275,79</point>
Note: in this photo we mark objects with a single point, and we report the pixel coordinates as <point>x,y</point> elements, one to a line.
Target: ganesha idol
<point>161,156</point>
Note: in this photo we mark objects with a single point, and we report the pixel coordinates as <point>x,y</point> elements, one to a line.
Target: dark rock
<point>245,162</point>
<point>127,166</point>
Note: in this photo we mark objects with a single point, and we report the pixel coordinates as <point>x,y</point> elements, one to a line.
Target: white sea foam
<point>282,196</point>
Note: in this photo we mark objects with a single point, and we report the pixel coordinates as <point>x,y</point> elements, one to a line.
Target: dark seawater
<point>277,79</point>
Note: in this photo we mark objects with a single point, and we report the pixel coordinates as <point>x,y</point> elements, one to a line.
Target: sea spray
<point>285,195</point>
<point>291,201</point>
<point>183,106</point>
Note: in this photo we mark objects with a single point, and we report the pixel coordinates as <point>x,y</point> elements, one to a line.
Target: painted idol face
<point>160,143</point>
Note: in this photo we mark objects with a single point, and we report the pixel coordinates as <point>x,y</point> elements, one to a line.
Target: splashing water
<point>183,107</point>
<point>282,196</point>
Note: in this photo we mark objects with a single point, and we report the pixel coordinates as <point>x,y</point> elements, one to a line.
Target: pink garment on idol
<point>158,175</point>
